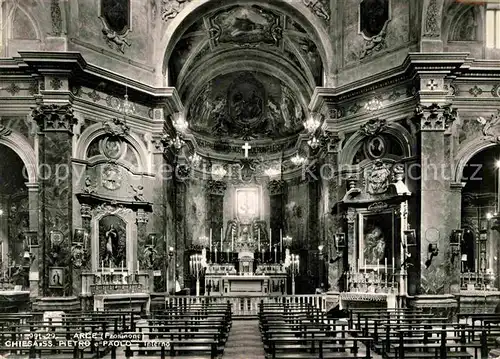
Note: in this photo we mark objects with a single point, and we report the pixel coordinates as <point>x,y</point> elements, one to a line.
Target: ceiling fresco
<point>237,28</point>
<point>246,105</point>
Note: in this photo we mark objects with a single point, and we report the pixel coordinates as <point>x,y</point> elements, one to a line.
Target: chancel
<point>237,179</point>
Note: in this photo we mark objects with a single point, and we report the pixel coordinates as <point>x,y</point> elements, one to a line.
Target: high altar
<point>246,269</point>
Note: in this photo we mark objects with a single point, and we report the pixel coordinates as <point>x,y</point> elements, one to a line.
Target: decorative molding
<point>171,8</point>
<point>85,210</point>
<point>435,117</point>
<point>4,131</point>
<point>351,215</point>
<point>56,83</point>
<point>432,19</point>
<point>378,206</point>
<point>332,141</point>
<point>475,91</point>
<point>116,128</point>
<point>216,187</point>
<point>55,16</point>
<point>495,91</point>
<point>373,127</point>
<point>54,117</point>
<point>142,217</point>
<point>13,88</point>
<point>490,130</point>
<point>276,187</point>
<point>318,8</point>
<point>375,43</point>
<point>113,38</point>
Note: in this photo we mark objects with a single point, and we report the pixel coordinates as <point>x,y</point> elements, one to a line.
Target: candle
<point>122,266</point>
<point>270,240</point>
<point>228,254</point>
<point>138,266</point>
<point>365,266</point>
<point>221,250</point>
<point>275,254</point>
<point>393,266</point>
<point>215,254</point>
<point>281,240</point>
<point>385,265</point>
<point>258,243</point>
<point>210,237</point>
<point>232,241</point>
<point>221,235</point>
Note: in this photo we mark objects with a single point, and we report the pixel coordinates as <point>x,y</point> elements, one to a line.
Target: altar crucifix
<point>246,147</point>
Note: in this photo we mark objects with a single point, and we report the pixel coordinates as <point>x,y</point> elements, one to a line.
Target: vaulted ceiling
<point>246,71</point>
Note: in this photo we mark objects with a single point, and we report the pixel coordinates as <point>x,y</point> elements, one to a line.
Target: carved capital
<point>276,187</point>
<point>4,131</point>
<point>373,127</point>
<point>332,141</point>
<point>52,118</point>
<point>434,117</point>
<point>86,211</point>
<point>216,187</point>
<point>142,217</point>
<point>351,215</point>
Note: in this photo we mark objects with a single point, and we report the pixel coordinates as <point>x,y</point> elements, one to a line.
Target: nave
<point>284,330</point>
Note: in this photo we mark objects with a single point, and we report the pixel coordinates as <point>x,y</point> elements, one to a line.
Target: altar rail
<point>249,306</point>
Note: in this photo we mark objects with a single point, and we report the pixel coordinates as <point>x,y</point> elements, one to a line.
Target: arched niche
<point>97,131</point>
<point>402,142</point>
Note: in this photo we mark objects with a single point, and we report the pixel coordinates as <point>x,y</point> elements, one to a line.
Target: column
<point>181,267</point>
<point>55,124</point>
<point>215,209</point>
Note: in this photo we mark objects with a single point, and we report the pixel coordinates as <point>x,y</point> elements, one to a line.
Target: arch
<point>393,129</point>
<point>96,130</point>
<point>193,10</point>
<point>32,19</point>
<point>466,153</point>
<point>23,149</point>
<point>453,20</point>
<point>221,68</point>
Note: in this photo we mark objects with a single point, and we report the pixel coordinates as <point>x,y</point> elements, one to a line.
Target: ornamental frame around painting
<point>52,272</point>
<point>390,222</point>
<point>128,27</point>
<point>389,17</point>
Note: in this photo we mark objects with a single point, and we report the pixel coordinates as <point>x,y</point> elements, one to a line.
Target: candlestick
<point>281,240</point>
<point>270,240</point>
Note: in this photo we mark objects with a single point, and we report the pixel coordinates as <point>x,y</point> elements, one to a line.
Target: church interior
<point>250,179</point>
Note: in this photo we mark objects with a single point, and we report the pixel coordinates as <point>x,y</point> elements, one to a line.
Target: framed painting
<point>376,231</point>
<point>56,277</point>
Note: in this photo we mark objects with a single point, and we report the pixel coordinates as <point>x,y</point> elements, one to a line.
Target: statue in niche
<point>111,243</point>
<point>88,186</point>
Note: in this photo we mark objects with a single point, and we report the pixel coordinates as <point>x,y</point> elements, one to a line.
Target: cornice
<point>74,65</point>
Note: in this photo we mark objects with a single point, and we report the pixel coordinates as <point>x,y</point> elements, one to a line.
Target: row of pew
<point>196,329</point>
<point>413,334</point>
<point>297,331</point>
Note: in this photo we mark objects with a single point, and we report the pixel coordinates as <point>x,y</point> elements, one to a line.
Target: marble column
<point>181,270</point>
<point>55,124</point>
<point>142,237</point>
<point>277,194</point>
<point>215,191</point>
<point>439,208</point>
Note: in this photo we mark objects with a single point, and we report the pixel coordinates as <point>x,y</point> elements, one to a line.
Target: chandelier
<point>180,123</point>
<point>218,172</point>
<point>373,105</point>
<point>195,159</point>
<point>313,143</point>
<point>297,160</point>
<point>127,107</point>
<point>311,124</point>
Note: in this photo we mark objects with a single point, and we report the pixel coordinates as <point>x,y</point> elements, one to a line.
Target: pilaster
<point>55,130</point>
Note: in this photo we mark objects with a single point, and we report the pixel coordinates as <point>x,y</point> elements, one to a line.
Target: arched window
<point>493,26</point>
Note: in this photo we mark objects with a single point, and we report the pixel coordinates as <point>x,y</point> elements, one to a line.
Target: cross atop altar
<point>246,147</point>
